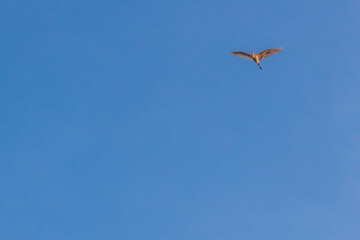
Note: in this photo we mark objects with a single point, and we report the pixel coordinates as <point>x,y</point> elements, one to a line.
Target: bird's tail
<point>259,66</point>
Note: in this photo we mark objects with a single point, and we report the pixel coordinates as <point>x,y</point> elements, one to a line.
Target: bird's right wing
<point>243,55</point>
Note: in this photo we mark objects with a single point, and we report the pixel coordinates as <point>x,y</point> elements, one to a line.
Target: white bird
<point>257,57</point>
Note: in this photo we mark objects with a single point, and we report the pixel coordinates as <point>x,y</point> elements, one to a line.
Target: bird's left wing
<point>269,52</point>
<point>243,55</point>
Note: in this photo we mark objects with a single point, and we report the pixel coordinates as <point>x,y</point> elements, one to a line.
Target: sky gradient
<point>131,120</point>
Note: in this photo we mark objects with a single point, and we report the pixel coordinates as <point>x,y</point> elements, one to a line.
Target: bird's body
<point>257,57</point>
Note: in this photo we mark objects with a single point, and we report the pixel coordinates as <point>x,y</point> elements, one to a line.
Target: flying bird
<point>257,57</point>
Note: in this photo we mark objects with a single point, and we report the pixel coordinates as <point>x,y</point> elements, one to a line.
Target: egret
<point>257,57</point>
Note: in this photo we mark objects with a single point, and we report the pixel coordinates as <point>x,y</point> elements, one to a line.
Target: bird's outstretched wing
<point>268,52</point>
<point>243,55</point>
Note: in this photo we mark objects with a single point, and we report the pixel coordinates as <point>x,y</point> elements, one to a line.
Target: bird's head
<point>252,54</point>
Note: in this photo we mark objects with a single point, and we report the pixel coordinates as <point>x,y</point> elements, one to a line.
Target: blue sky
<point>131,120</point>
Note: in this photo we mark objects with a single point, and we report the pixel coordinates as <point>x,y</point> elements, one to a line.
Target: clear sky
<point>131,120</point>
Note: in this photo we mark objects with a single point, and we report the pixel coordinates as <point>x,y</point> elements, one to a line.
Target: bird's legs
<point>259,66</point>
